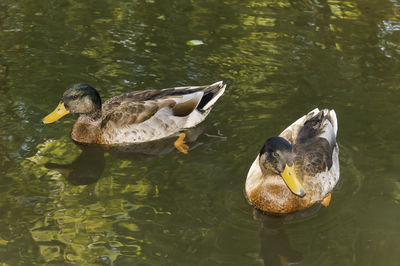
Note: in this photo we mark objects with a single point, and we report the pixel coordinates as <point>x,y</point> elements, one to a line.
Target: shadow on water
<point>88,167</point>
<point>275,246</point>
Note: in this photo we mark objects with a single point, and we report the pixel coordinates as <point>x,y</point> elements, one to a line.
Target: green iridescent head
<point>79,99</point>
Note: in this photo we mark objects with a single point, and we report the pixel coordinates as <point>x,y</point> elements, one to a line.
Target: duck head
<point>79,99</point>
<point>276,157</point>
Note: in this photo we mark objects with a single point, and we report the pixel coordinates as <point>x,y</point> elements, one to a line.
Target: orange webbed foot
<point>180,144</point>
<point>326,200</point>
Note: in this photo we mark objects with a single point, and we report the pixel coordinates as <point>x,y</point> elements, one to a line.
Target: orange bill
<point>59,112</point>
<point>291,180</point>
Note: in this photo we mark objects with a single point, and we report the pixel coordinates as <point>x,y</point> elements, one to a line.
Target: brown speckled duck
<point>298,168</point>
<point>138,116</point>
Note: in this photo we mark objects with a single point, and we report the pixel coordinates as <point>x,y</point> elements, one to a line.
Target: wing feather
<point>126,113</point>
<point>315,143</point>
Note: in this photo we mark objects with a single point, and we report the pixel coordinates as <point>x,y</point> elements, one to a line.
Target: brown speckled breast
<point>86,133</point>
<point>277,198</point>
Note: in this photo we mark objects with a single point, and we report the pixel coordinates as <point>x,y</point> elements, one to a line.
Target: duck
<point>138,116</point>
<point>298,168</point>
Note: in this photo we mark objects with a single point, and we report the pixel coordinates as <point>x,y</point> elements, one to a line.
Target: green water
<point>280,60</point>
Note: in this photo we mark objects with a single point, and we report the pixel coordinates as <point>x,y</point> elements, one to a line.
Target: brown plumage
<point>297,169</point>
<point>135,117</point>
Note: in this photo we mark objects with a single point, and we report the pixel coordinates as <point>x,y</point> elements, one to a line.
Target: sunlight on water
<point>151,205</point>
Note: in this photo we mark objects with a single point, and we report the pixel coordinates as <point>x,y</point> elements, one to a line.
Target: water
<point>280,59</point>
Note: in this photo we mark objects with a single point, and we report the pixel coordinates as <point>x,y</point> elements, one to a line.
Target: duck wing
<point>316,141</point>
<point>128,113</point>
<point>210,92</point>
<point>157,113</point>
<point>138,106</point>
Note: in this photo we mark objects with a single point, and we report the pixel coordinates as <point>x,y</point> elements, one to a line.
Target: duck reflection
<point>275,247</point>
<point>88,167</point>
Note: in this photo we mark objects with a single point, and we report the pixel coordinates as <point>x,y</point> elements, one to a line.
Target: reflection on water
<point>88,167</point>
<point>103,209</point>
<point>275,247</point>
<point>85,169</point>
<point>280,60</point>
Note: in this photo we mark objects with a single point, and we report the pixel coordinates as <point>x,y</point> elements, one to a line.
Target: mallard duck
<point>298,168</point>
<point>136,117</point>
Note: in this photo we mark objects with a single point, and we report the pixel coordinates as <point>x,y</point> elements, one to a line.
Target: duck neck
<point>87,128</point>
<point>92,117</point>
<point>266,168</point>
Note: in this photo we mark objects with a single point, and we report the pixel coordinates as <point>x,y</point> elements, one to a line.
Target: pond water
<point>61,204</point>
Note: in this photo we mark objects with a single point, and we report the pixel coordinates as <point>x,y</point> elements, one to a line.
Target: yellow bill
<point>291,180</point>
<point>59,112</point>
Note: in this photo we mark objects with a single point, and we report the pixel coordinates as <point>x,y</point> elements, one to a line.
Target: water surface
<point>280,59</point>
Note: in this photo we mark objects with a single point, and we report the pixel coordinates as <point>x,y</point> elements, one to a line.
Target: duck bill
<point>59,112</point>
<point>291,180</point>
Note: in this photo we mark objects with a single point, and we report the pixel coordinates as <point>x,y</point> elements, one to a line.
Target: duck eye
<point>74,97</point>
<point>275,154</point>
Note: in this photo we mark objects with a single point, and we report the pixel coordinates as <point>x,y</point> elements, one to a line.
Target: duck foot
<point>180,144</point>
<point>326,200</point>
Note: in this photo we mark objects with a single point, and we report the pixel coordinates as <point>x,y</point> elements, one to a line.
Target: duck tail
<point>333,119</point>
<point>211,95</point>
<point>322,123</point>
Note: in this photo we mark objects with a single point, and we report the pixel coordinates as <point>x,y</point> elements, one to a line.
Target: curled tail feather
<point>211,95</point>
